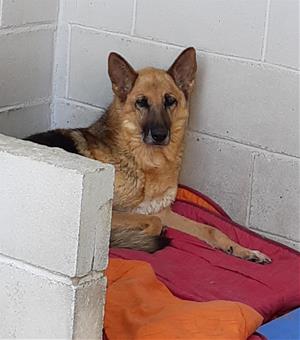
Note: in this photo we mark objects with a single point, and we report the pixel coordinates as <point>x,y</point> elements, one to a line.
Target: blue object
<point>286,327</point>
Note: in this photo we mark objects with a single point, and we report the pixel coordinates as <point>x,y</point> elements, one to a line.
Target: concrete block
<point>0,13</point>
<point>38,304</point>
<point>114,15</point>
<point>25,66</point>
<point>24,121</point>
<point>282,240</point>
<point>33,305</point>
<point>247,102</point>
<point>89,308</point>
<point>102,237</point>
<point>230,27</point>
<point>95,219</point>
<point>51,206</point>
<point>21,12</point>
<point>88,79</point>
<point>283,33</point>
<point>68,114</point>
<point>61,60</point>
<point>276,196</point>
<point>220,170</point>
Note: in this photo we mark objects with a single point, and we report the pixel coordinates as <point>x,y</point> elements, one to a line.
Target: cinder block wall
<point>54,235</point>
<point>243,140</point>
<point>27,31</point>
<point>55,207</point>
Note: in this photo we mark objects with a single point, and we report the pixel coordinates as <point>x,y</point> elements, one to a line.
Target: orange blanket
<point>138,306</point>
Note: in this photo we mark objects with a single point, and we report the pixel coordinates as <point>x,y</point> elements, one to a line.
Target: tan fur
<point>138,166</point>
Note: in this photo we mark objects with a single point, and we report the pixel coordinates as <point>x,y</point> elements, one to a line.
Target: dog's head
<point>151,101</point>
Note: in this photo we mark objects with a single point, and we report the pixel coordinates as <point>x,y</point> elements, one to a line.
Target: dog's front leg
<point>210,235</point>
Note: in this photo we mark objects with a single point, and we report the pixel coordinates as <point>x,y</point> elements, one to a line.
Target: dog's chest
<point>160,189</point>
<point>152,205</point>
<point>145,191</point>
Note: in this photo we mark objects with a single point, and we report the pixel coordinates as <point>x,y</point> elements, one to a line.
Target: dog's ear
<point>121,74</point>
<point>183,70</point>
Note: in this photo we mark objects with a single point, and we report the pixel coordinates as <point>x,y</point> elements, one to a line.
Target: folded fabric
<point>194,271</point>
<point>139,306</point>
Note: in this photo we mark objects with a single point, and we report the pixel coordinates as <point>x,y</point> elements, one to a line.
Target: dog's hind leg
<point>212,236</point>
<point>151,225</point>
<point>136,231</point>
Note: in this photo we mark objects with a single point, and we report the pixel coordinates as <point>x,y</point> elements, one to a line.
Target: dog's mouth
<point>157,136</point>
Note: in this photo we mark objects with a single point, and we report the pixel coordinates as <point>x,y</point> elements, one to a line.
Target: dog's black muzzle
<point>156,136</point>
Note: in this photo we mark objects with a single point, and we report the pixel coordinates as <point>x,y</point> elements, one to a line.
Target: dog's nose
<point>159,135</point>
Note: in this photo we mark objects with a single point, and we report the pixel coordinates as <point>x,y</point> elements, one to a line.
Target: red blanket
<point>192,270</point>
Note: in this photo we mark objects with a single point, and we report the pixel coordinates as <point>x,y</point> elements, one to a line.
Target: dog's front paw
<point>258,257</point>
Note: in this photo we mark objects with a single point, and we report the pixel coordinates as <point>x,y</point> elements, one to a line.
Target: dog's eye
<point>170,101</point>
<point>142,103</point>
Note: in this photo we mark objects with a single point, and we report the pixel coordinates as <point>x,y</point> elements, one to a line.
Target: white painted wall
<point>243,140</point>
<point>27,31</point>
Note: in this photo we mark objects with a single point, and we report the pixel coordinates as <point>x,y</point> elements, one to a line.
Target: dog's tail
<point>137,240</point>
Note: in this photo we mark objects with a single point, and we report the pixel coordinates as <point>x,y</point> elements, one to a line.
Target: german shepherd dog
<point>142,135</point>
